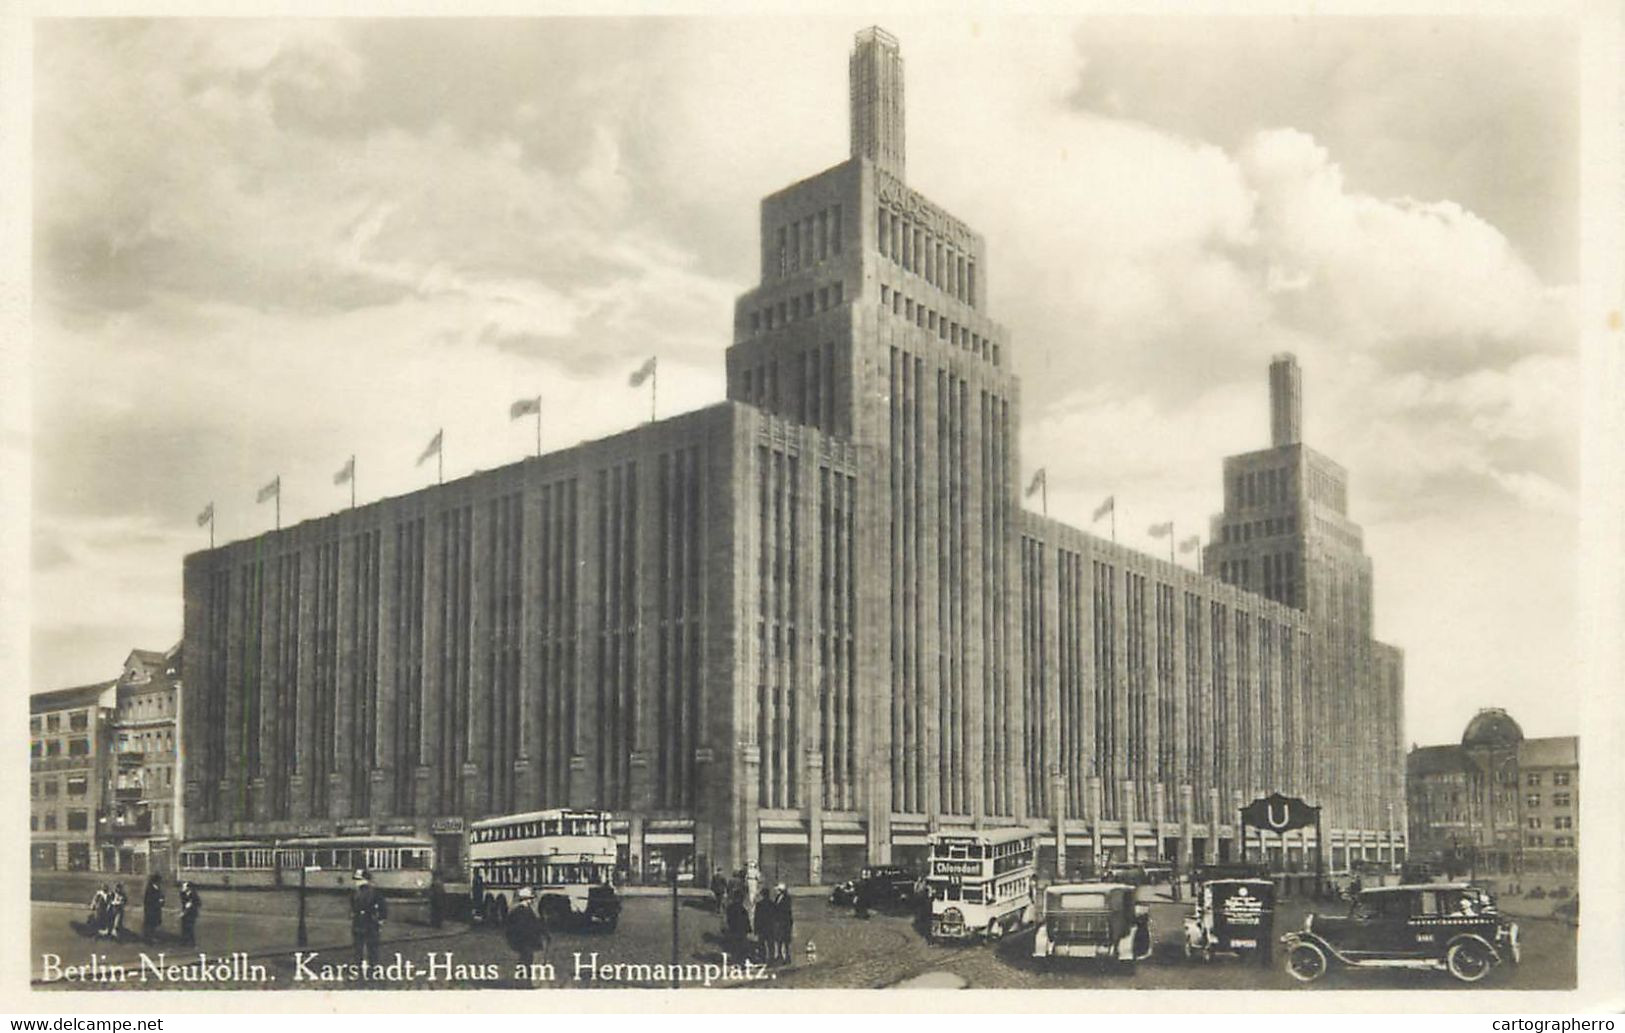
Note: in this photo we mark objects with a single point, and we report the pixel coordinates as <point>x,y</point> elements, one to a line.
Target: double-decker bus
<point>980,882</point>
<point>567,857</point>
<point>397,865</point>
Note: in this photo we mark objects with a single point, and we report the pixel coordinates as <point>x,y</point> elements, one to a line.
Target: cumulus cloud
<point>261,246</point>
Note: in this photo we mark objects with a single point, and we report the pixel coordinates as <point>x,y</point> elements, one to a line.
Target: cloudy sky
<point>262,246</point>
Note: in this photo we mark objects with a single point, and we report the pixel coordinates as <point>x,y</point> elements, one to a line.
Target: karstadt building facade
<point>810,624</point>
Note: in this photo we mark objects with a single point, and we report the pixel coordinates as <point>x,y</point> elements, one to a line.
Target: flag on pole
<point>643,372</point>
<point>433,448</point>
<point>207,516</point>
<point>270,491</point>
<point>1161,530</point>
<point>1040,480</point>
<point>1190,543</point>
<point>1109,506</point>
<point>525,407</point>
<point>346,475</point>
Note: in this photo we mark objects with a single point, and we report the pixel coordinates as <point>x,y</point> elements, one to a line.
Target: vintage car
<point>1453,927</point>
<point>1093,920</point>
<point>1421,871</point>
<point>1230,870</point>
<point>883,885</point>
<point>1231,916</point>
<point>1137,874</point>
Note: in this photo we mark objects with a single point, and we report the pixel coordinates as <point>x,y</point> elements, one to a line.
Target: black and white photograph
<point>805,501</point>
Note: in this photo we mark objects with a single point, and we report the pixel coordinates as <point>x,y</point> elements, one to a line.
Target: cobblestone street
<point>883,951</point>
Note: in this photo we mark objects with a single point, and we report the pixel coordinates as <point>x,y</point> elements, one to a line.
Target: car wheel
<point>1306,962</point>
<point>1469,961</point>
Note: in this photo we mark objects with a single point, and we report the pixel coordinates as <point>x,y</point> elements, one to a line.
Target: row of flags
<point>435,449</point>
<point>1040,485</point>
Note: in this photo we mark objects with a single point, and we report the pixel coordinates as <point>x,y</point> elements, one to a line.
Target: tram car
<point>399,866</point>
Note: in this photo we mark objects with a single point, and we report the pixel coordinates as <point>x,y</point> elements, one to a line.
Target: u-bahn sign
<point>1277,813</point>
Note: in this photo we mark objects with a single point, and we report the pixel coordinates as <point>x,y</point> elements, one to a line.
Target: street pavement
<point>832,950</point>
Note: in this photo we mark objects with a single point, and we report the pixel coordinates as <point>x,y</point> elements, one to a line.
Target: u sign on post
<point>1281,814</point>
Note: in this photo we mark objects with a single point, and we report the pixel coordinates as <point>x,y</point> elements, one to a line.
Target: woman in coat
<point>152,908</point>
<point>784,924</point>
<point>767,927</point>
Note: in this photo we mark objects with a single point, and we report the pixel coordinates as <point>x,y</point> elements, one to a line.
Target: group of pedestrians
<point>108,905</point>
<point>748,910</point>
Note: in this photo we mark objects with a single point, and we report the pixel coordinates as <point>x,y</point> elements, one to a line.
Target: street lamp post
<point>673,871</point>
<point>304,935</point>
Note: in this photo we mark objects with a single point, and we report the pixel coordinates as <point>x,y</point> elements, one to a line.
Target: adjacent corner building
<point>104,770</point>
<point>812,623</point>
<point>1496,802</point>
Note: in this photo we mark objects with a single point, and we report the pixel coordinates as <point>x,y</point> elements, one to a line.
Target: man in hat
<point>784,925</point>
<point>367,914</point>
<point>191,904</point>
<point>525,931</point>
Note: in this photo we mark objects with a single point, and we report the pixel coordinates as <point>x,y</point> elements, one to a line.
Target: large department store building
<point>811,623</point>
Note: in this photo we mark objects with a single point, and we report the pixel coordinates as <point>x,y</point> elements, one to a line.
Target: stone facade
<point>1496,801</point>
<point>70,736</point>
<point>805,626</point>
<point>143,822</point>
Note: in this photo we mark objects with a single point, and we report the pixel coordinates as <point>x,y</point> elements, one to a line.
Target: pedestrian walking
<point>860,899</point>
<point>719,889</point>
<point>191,905</point>
<point>97,919</point>
<point>753,882</point>
<point>115,912</point>
<point>367,913</point>
<point>476,896</point>
<point>152,908</point>
<point>435,893</point>
<point>767,927</point>
<point>784,924</point>
<point>526,932</point>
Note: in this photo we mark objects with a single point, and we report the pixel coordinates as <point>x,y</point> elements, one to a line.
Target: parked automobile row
<point>1450,927</point>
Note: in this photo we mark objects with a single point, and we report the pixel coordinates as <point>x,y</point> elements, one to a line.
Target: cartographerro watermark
<point>436,967</point>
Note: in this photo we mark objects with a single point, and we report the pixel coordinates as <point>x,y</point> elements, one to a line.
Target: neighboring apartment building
<point>1496,802</point>
<point>1549,771</point>
<point>142,828</point>
<point>104,771</point>
<point>68,783</point>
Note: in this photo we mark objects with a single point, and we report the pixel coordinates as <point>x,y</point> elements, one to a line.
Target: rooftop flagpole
<point>207,517</point>
<point>649,371</point>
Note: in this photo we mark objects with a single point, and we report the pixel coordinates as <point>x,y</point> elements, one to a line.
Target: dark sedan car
<point>1449,927</point>
<point>882,886</point>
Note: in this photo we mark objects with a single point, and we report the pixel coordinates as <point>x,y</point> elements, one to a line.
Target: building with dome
<point>1496,802</point>
<point>812,623</point>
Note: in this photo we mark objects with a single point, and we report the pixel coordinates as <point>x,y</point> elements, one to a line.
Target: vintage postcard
<point>804,502</point>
